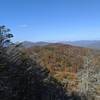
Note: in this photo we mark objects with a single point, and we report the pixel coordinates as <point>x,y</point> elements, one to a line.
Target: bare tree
<point>89,78</point>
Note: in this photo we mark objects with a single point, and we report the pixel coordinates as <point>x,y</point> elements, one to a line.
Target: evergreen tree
<point>5,36</point>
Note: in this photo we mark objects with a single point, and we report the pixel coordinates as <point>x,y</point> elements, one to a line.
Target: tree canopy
<point>5,36</point>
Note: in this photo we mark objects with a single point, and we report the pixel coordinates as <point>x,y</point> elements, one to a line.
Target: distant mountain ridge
<point>29,44</point>
<point>93,44</point>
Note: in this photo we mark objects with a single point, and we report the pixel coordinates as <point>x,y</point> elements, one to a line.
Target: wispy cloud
<point>23,26</point>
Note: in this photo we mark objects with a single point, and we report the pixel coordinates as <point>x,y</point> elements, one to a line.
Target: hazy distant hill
<point>88,44</point>
<point>95,44</point>
<point>29,44</point>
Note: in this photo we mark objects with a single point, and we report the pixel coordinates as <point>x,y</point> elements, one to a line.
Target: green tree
<point>5,36</point>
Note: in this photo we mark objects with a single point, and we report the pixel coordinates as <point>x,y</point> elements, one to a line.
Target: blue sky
<point>51,20</point>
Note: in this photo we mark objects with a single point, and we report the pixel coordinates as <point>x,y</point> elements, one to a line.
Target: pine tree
<point>5,36</point>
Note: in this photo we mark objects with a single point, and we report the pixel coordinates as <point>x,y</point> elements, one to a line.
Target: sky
<point>51,20</point>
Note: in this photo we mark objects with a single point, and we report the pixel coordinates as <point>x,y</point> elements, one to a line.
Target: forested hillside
<point>75,67</point>
<point>22,78</point>
<point>51,72</point>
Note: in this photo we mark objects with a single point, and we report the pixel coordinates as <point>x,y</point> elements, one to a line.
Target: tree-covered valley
<point>50,72</point>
